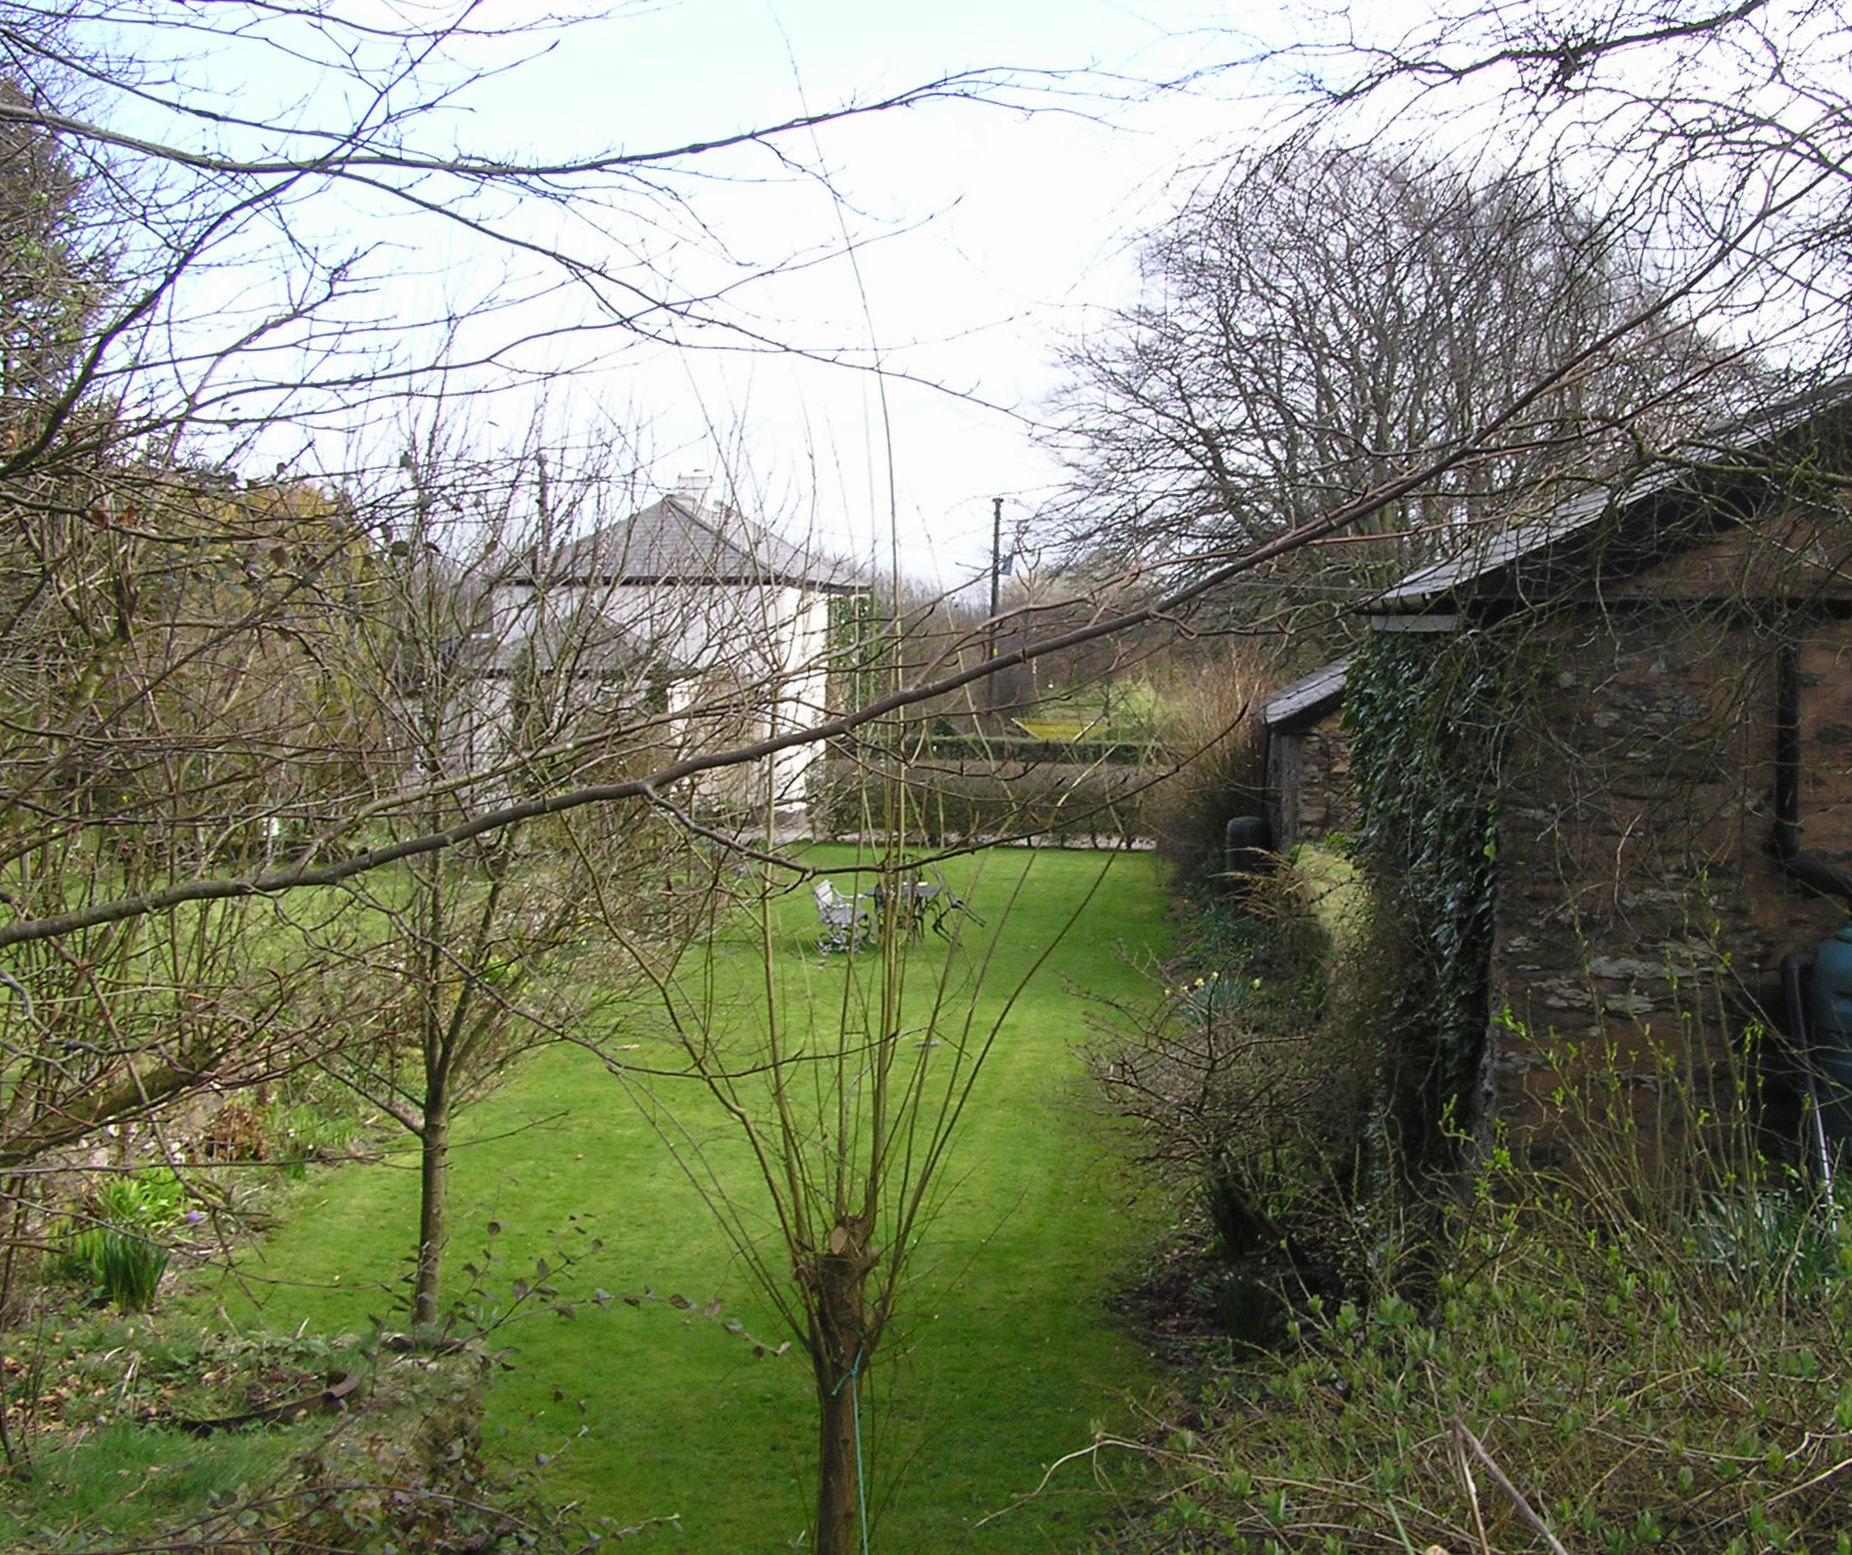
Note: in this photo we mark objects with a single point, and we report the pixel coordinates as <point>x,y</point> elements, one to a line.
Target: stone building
<point>1673,795</point>
<point>1308,758</point>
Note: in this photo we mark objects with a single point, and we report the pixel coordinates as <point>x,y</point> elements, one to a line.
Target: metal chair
<point>941,901</point>
<point>843,920</point>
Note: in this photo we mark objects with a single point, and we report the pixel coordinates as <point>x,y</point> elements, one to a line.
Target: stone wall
<point>1640,914</point>
<point>1308,781</point>
<point>1826,742</point>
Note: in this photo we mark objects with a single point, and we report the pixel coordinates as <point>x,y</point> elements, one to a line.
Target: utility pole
<point>996,573</point>
<point>996,567</point>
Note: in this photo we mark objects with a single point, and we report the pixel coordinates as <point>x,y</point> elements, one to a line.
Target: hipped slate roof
<point>1699,488</point>
<point>680,540</point>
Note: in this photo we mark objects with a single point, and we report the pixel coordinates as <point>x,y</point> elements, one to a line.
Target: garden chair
<point>924,903</point>
<point>940,901</point>
<point>843,920</point>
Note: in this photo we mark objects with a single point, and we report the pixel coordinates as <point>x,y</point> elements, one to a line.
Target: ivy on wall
<point>1424,712</point>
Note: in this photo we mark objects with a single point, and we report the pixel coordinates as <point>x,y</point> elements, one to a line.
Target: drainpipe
<point>1817,875</point>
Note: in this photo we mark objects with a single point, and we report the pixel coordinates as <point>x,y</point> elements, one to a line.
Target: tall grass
<point>1208,726</point>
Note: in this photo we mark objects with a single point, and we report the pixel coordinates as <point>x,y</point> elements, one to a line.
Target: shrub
<point>1242,1081</point>
<point>153,1199</point>
<point>962,802</point>
<point>1641,1389</point>
<point>1647,1341</point>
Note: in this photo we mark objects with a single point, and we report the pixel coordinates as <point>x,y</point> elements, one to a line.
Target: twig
<point>1808,1484</point>
<point>1472,1443</point>
<point>1061,1462</point>
<point>1472,1493</point>
<point>673,1519</point>
<point>330,1400</point>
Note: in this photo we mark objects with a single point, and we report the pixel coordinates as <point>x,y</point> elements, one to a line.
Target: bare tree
<point>493,665</point>
<point>178,282</point>
<point>128,547</point>
<point>1719,133</point>
<point>238,146</point>
<point>849,1093</point>
<point>1316,321</point>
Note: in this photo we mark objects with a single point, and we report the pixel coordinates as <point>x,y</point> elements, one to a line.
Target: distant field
<point>1003,1361</point>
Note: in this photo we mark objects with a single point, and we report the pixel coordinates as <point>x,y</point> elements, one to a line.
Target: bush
<point>1030,750</point>
<point>153,1199</point>
<point>1101,805</point>
<point>1243,1082</point>
<point>1640,1388</point>
<point>1642,1327</point>
<point>130,1267</point>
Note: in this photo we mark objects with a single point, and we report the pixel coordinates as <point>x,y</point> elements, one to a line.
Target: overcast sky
<point>946,250</point>
<point>984,234</point>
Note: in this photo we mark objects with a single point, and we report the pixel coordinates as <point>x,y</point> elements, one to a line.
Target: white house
<point>714,624</point>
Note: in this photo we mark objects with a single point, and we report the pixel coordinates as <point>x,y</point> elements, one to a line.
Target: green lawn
<point>1001,1362</point>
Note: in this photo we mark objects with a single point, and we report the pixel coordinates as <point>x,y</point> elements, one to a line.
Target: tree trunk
<point>434,1136</point>
<point>840,1346</point>
<point>433,1174</point>
<point>838,1498</point>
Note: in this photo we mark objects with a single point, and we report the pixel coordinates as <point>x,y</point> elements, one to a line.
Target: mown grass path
<point>1003,1361</point>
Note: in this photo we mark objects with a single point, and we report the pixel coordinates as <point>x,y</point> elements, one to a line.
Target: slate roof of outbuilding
<point>1529,560</point>
<point>1639,520</point>
<point>1308,698</point>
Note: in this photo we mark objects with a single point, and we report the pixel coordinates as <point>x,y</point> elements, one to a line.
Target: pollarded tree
<point>1316,322</point>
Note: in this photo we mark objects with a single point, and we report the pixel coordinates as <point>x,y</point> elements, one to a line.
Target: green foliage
<point>116,1482</point>
<point>1645,1378</point>
<point>118,1466</point>
<point>1425,714</point>
<point>120,1250</point>
<point>1650,1349</point>
<point>1084,750</point>
<point>130,1267</point>
<point>1243,1092</point>
<point>299,1133</point>
<point>861,643</point>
